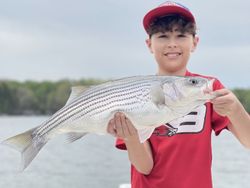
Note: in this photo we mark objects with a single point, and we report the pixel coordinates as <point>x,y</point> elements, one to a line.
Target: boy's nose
<point>172,44</point>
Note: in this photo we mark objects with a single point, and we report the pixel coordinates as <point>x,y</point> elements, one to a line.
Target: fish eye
<point>193,81</point>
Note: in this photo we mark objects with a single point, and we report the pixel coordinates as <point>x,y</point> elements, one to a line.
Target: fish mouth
<point>208,89</point>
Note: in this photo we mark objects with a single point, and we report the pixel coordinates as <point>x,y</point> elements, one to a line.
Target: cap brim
<point>164,11</point>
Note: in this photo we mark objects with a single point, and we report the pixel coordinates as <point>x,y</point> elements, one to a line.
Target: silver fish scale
<point>125,84</point>
<point>97,91</point>
<point>87,98</point>
<point>99,99</point>
<point>125,100</point>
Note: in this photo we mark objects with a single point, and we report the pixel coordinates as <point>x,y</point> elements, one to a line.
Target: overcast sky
<point>57,39</point>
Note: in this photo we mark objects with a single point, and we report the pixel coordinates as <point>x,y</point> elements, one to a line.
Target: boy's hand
<point>140,154</point>
<point>122,127</point>
<point>226,103</point>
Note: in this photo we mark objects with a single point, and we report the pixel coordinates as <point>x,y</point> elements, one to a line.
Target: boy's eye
<point>163,36</point>
<point>181,35</point>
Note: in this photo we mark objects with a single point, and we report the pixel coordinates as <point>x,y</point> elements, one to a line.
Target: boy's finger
<point>118,125</point>
<point>221,96</point>
<point>111,127</point>
<point>131,127</point>
<point>124,125</point>
<point>220,92</point>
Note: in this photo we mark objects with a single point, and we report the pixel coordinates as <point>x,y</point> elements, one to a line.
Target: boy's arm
<point>227,104</point>
<point>140,154</point>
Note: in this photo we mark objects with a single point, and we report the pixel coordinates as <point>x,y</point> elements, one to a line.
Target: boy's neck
<point>176,73</point>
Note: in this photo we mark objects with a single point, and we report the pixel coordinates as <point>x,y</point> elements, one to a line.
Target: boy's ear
<point>195,43</point>
<point>149,44</point>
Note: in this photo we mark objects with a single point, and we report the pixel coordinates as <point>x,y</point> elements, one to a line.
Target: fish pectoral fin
<point>145,133</point>
<point>76,91</point>
<point>73,136</point>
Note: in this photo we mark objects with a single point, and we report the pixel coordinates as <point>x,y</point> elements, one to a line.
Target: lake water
<point>93,162</point>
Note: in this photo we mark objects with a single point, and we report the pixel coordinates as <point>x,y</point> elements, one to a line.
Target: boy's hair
<point>168,22</point>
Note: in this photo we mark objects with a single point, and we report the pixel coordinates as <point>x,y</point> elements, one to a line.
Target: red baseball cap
<point>169,7</point>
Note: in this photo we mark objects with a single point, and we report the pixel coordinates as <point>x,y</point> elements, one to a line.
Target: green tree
<point>244,97</point>
<point>26,101</point>
<point>6,98</point>
<point>57,98</point>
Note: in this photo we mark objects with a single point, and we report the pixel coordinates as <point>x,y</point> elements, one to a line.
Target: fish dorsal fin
<point>76,91</point>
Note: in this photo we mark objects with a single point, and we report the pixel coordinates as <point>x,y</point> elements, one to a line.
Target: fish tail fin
<point>26,145</point>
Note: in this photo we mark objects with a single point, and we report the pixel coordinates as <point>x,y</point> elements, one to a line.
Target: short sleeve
<point>120,144</point>
<point>219,123</point>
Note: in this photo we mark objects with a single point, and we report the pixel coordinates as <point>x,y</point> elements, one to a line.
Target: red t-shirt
<point>182,150</point>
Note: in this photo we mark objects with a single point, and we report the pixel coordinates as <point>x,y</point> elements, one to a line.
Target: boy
<point>182,159</point>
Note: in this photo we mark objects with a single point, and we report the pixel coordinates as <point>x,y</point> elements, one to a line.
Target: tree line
<point>44,98</point>
<point>37,98</point>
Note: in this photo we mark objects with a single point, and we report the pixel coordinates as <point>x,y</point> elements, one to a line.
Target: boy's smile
<point>172,55</point>
<point>172,51</point>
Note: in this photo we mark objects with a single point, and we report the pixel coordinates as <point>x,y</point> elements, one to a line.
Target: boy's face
<point>172,50</point>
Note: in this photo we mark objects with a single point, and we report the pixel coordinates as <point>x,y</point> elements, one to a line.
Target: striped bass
<point>148,101</point>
